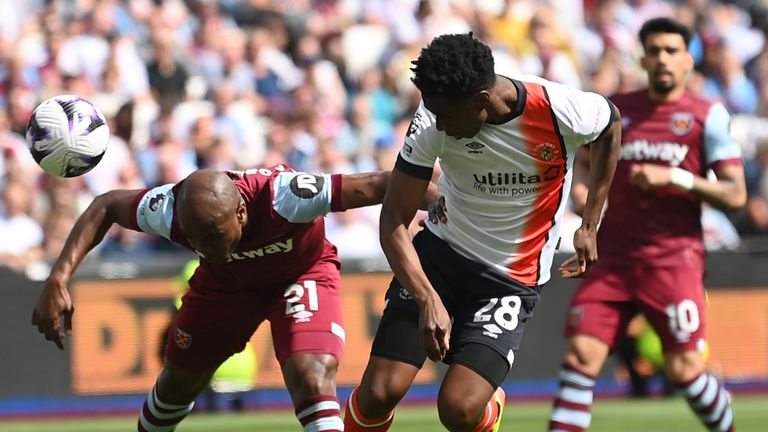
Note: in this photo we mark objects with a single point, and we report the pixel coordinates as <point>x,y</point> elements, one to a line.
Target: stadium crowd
<point>323,85</point>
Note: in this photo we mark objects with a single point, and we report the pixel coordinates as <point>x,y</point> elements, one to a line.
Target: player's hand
<point>650,176</point>
<point>436,212</point>
<point>435,327</point>
<point>585,243</point>
<point>53,313</point>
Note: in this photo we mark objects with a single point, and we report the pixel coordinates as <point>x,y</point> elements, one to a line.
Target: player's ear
<point>242,213</point>
<point>690,62</point>
<point>643,61</point>
<point>482,99</point>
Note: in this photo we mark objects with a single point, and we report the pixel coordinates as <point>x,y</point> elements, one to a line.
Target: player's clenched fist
<point>650,176</point>
<point>53,312</point>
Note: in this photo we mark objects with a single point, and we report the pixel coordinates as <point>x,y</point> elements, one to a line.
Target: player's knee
<point>377,399</point>
<point>316,375</point>
<point>684,367</point>
<point>459,412</point>
<point>586,354</point>
<point>177,386</point>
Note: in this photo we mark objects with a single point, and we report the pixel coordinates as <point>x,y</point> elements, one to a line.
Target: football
<point>67,135</point>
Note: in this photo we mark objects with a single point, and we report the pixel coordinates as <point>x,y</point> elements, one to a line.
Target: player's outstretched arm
<point>53,312</point>
<point>365,189</point>
<point>603,156</point>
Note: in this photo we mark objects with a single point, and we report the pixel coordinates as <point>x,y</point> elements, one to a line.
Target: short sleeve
<point>423,145</point>
<point>719,146</point>
<point>154,211</point>
<point>582,116</point>
<point>300,197</point>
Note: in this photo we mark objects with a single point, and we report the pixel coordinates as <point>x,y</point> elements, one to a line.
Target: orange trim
<point>539,131</point>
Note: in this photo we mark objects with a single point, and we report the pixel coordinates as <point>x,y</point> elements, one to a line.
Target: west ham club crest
<point>681,123</point>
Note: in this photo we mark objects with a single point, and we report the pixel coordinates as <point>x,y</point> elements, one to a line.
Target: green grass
<point>657,415</point>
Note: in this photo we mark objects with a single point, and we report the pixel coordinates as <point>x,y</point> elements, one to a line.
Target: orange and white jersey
<point>506,187</point>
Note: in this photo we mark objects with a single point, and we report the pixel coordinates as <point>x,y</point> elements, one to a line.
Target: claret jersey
<point>506,187</point>
<point>656,227</point>
<point>283,238</point>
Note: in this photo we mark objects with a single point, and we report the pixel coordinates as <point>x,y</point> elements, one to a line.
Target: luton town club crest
<point>546,151</point>
<point>183,339</point>
<point>681,123</point>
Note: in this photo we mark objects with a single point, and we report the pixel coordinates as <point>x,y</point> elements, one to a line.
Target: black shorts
<point>487,308</point>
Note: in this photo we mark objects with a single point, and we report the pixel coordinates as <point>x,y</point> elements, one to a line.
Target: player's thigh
<point>674,302</point>
<point>398,337</point>
<point>487,331</point>
<point>209,329</point>
<point>601,307</point>
<point>307,318</point>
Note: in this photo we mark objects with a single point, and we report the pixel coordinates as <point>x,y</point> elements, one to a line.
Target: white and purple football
<point>67,135</point>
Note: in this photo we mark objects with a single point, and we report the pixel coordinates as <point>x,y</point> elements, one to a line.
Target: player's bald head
<point>211,213</point>
<point>208,197</point>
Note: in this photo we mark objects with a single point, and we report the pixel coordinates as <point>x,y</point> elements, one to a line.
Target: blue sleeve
<point>718,144</point>
<point>301,197</point>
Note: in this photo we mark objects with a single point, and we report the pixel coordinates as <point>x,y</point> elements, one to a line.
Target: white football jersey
<point>506,187</point>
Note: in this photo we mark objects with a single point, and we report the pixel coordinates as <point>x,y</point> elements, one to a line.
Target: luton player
<point>263,256</point>
<point>464,290</point>
<point>650,240</point>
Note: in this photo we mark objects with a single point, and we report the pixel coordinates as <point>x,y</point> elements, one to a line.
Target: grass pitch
<point>657,415</point>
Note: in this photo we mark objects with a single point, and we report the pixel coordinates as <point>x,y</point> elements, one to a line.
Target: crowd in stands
<point>323,85</point>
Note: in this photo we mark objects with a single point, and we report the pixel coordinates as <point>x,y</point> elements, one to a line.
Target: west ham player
<point>463,291</point>
<point>263,256</point>
<point>650,240</point>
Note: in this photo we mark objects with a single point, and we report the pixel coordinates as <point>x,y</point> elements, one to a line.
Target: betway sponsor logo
<point>271,249</point>
<point>674,153</point>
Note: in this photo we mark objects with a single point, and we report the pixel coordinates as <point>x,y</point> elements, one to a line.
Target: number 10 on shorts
<point>504,311</point>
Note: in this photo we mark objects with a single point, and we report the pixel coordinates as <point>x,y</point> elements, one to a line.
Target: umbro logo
<point>474,147</point>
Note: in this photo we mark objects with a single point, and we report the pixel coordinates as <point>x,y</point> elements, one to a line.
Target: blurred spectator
<point>22,235</point>
<point>167,75</point>
<point>728,81</point>
<point>756,176</point>
<point>324,85</point>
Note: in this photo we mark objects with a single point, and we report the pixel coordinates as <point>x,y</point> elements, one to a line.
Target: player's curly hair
<point>453,66</point>
<point>664,25</point>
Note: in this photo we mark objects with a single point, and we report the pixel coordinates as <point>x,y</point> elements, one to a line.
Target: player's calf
<point>159,416</point>
<point>710,402</point>
<point>573,406</point>
<point>320,413</point>
<point>491,420</point>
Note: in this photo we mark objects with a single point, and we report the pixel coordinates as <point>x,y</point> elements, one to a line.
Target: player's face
<point>458,119</point>
<point>666,61</point>
<point>216,244</point>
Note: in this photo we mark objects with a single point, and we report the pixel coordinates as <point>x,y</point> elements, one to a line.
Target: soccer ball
<point>67,135</point>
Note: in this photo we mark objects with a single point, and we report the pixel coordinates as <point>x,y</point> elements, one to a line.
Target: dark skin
<point>386,381</point>
<point>213,216</point>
